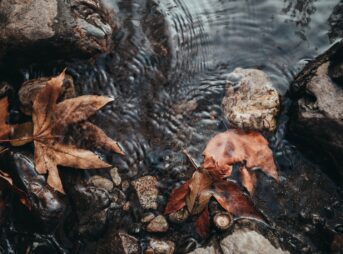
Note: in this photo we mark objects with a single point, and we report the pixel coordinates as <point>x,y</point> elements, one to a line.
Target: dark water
<point>168,72</point>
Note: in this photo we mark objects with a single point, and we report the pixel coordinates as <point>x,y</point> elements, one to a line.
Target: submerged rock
<point>251,102</point>
<point>35,27</point>
<point>119,243</point>
<point>243,242</point>
<point>147,192</point>
<point>162,247</point>
<point>158,225</point>
<point>317,113</point>
<point>101,182</point>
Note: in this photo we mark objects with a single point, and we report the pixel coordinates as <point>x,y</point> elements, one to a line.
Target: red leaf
<point>238,146</point>
<point>231,197</point>
<point>177,199</point>
<point>248,180</point>
<point>202,223</point>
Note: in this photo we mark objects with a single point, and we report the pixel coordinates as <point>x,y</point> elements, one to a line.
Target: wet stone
<point>115,176</point>
<point>158,225</point>
<point>147,218</point>
<point>179,216</point>
<point>162,247</point>
<point>147,192</point>
<point>251,101</point>
<point>101,182</point>
<point>119,243</point>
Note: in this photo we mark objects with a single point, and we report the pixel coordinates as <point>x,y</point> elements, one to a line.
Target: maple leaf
<point>7,182</point>
<point>5,129</point>
<point>50,119</point>
<point>202,223</point>
<point>177,199</point>
<point>249,148</point>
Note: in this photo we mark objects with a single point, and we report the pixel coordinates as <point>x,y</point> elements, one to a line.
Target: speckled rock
<point>243,242</point>
<point>147,192</point>
<point>158,225</point>
<point>119,243</point>
<point>251,102</point>
<point>162,247</point>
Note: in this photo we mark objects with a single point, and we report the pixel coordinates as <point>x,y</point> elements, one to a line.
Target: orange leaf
<point>248,179</point>
<point>231,197</point>
<point>238,146</point>
<point>202,224</point>
<point>5,128</point>
<point>177,199</point>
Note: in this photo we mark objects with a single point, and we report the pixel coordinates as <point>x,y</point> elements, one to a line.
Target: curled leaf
<point>177,198</point>
<point>231,197</point>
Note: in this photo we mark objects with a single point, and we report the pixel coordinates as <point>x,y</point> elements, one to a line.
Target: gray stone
<point>162,247</point>
<point>158,225</point>
<point>147,192</point>
<point>242,242</point>
<point>251,102</point>
<point>118,243</point>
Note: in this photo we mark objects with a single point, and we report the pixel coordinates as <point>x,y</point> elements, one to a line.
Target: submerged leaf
<point>202,223</point>
<point>248,179</point>
<point>5,129</point>
<point>177,199</point>
<point>238,146</point>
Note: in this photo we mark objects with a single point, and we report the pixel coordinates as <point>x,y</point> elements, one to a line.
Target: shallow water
<point>167,73</point>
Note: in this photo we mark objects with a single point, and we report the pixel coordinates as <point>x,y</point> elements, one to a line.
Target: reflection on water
<point>268,34</point>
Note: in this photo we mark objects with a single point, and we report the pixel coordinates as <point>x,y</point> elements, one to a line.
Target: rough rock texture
<point>158,224</point>
<point>146,190</point>
<point>336,22</point>
<point>162,247</point>
<point>74,26</point>
<point>119,243</point>
<point>243,242</point>
<point>317,114</point>
<point>251,102</point>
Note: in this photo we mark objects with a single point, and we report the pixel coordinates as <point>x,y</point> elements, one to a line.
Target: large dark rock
<point>55,28</point>
<point>317,114</point>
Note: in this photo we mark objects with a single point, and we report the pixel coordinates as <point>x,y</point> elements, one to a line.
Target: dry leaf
<point>202,223</point>
<point>50,118</point>
<point>238,146</point>
<point>5,129</point>
<point>177,199</point>
<point>248,179</point>
<point>231,197</point>
<point>7,182</point>
<point>21,134</point>
<point>198,183</point>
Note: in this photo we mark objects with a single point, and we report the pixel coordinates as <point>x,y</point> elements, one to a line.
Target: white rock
<point>251,101</point>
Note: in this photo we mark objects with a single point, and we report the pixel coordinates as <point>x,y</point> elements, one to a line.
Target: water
<point>167,73</point>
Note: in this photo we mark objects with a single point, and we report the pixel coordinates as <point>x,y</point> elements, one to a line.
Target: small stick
<point>191,159</point>
<point>222,220</point>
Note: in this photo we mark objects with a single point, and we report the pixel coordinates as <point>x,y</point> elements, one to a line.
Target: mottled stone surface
<point>158,225</point>
<point>251,102</point>
<point>119,243</point>
<point>317,113</point>
<point>242,242</point>
<point>146,190</point>
<point>162,247</point>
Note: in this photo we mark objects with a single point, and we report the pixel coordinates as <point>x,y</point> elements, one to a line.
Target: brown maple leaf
<point>50,120</point>
<point>248,148</point>
<point>5,129</point>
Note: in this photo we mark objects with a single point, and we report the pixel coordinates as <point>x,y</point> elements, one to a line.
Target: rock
<point>317,112</point>
<point>158,225</point>
<point>248,242</point>
<point>162,247</point>
<point>147,218</point>
<point>251,102</point>
<point>243,242</point>
<point>101,182</point>
<point>37,27</point>
<point>119,243</point>
<point>147,192</point>
<point>179,216</point>
<point>115,176</point>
